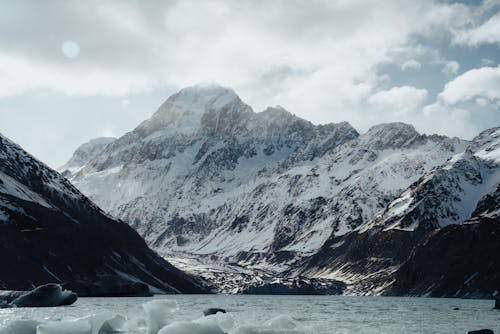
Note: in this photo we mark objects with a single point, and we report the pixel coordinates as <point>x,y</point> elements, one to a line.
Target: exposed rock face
<point>50,232</point>
<point>296,286</point>
<point>365,261</point>
<point>211,311</point>
<point>453,262</point>
<point>109,286</point>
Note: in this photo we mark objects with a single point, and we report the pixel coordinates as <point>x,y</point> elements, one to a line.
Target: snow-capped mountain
<point>86,152</point>
<point>452,193</point>
<point>50,232</point>
<point>208,177</point>
<point>437,238</point>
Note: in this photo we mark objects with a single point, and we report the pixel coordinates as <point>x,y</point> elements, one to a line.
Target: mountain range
<point>222,190</point>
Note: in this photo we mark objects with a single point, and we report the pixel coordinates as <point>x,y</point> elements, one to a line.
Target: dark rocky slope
<point>50,232</point>
<point>456,261</point>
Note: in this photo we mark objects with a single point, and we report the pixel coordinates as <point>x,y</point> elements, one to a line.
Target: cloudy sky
<point>75,70</point>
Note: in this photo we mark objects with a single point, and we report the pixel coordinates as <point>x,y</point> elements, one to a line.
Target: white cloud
<point>399,100</point>
<point>451,67</point>
<point>19,75</point>
<point>400,96</point>
<point>487,62</point>
<point>488,32</point>
<point>108,132</point>
<point>441,118</point>
<point>125,103</point>
<point>482,82</point>
<point>268,51</point>
<point>481,101</point>
<point>411,64</point>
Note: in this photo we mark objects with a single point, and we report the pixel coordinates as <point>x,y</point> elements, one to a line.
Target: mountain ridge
<point>53,233</point>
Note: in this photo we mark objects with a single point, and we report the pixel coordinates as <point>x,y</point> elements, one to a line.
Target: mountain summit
<point>186,111</point>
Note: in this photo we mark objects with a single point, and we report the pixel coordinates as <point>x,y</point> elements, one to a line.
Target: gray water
<point>312,314</point>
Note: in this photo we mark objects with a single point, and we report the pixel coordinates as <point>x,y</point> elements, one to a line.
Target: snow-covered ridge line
<point>25,177</point>
<point>450,193</point>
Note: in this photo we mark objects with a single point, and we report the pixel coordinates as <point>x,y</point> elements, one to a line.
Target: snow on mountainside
<point>86,152</point>
<point>451,193</point>
<point>207,176</point>
<point>50,232</point>
<point>439,237</point>
<point>24,177</point>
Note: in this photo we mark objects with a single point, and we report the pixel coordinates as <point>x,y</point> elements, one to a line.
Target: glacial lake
<point>300,314</point>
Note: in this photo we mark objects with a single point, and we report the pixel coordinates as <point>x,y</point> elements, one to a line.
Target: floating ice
<point>105,323</point>
<point>113,325</point>
<point>224,321</point>
<point>159,317</point>
<point>159,314</point>
<point>189,327</point>
<point>77,326</point>
<point>20,327</point>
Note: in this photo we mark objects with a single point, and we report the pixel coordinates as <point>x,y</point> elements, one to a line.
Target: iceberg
<point>48,295</point>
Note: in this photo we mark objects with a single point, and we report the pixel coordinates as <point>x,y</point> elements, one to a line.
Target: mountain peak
<point>390,135</point>
<point>276,112</point>
<point>392,127</point>
<point>199,98</point>
<point>487,145</point>
<point>87,151</point>
<point>183,112</point>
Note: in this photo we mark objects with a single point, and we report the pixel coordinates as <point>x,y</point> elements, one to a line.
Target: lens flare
<point>70,49</point>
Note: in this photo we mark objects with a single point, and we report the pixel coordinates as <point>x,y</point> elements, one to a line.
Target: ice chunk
<point>159,314</point>
<point>78,326</point>
<point>20,327</point>
<point>104,323</point>
<point>187,327</point>
<point>224,321</point>
<point>113,325</point>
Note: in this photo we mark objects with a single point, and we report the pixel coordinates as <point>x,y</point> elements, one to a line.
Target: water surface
<point>313,314</point>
